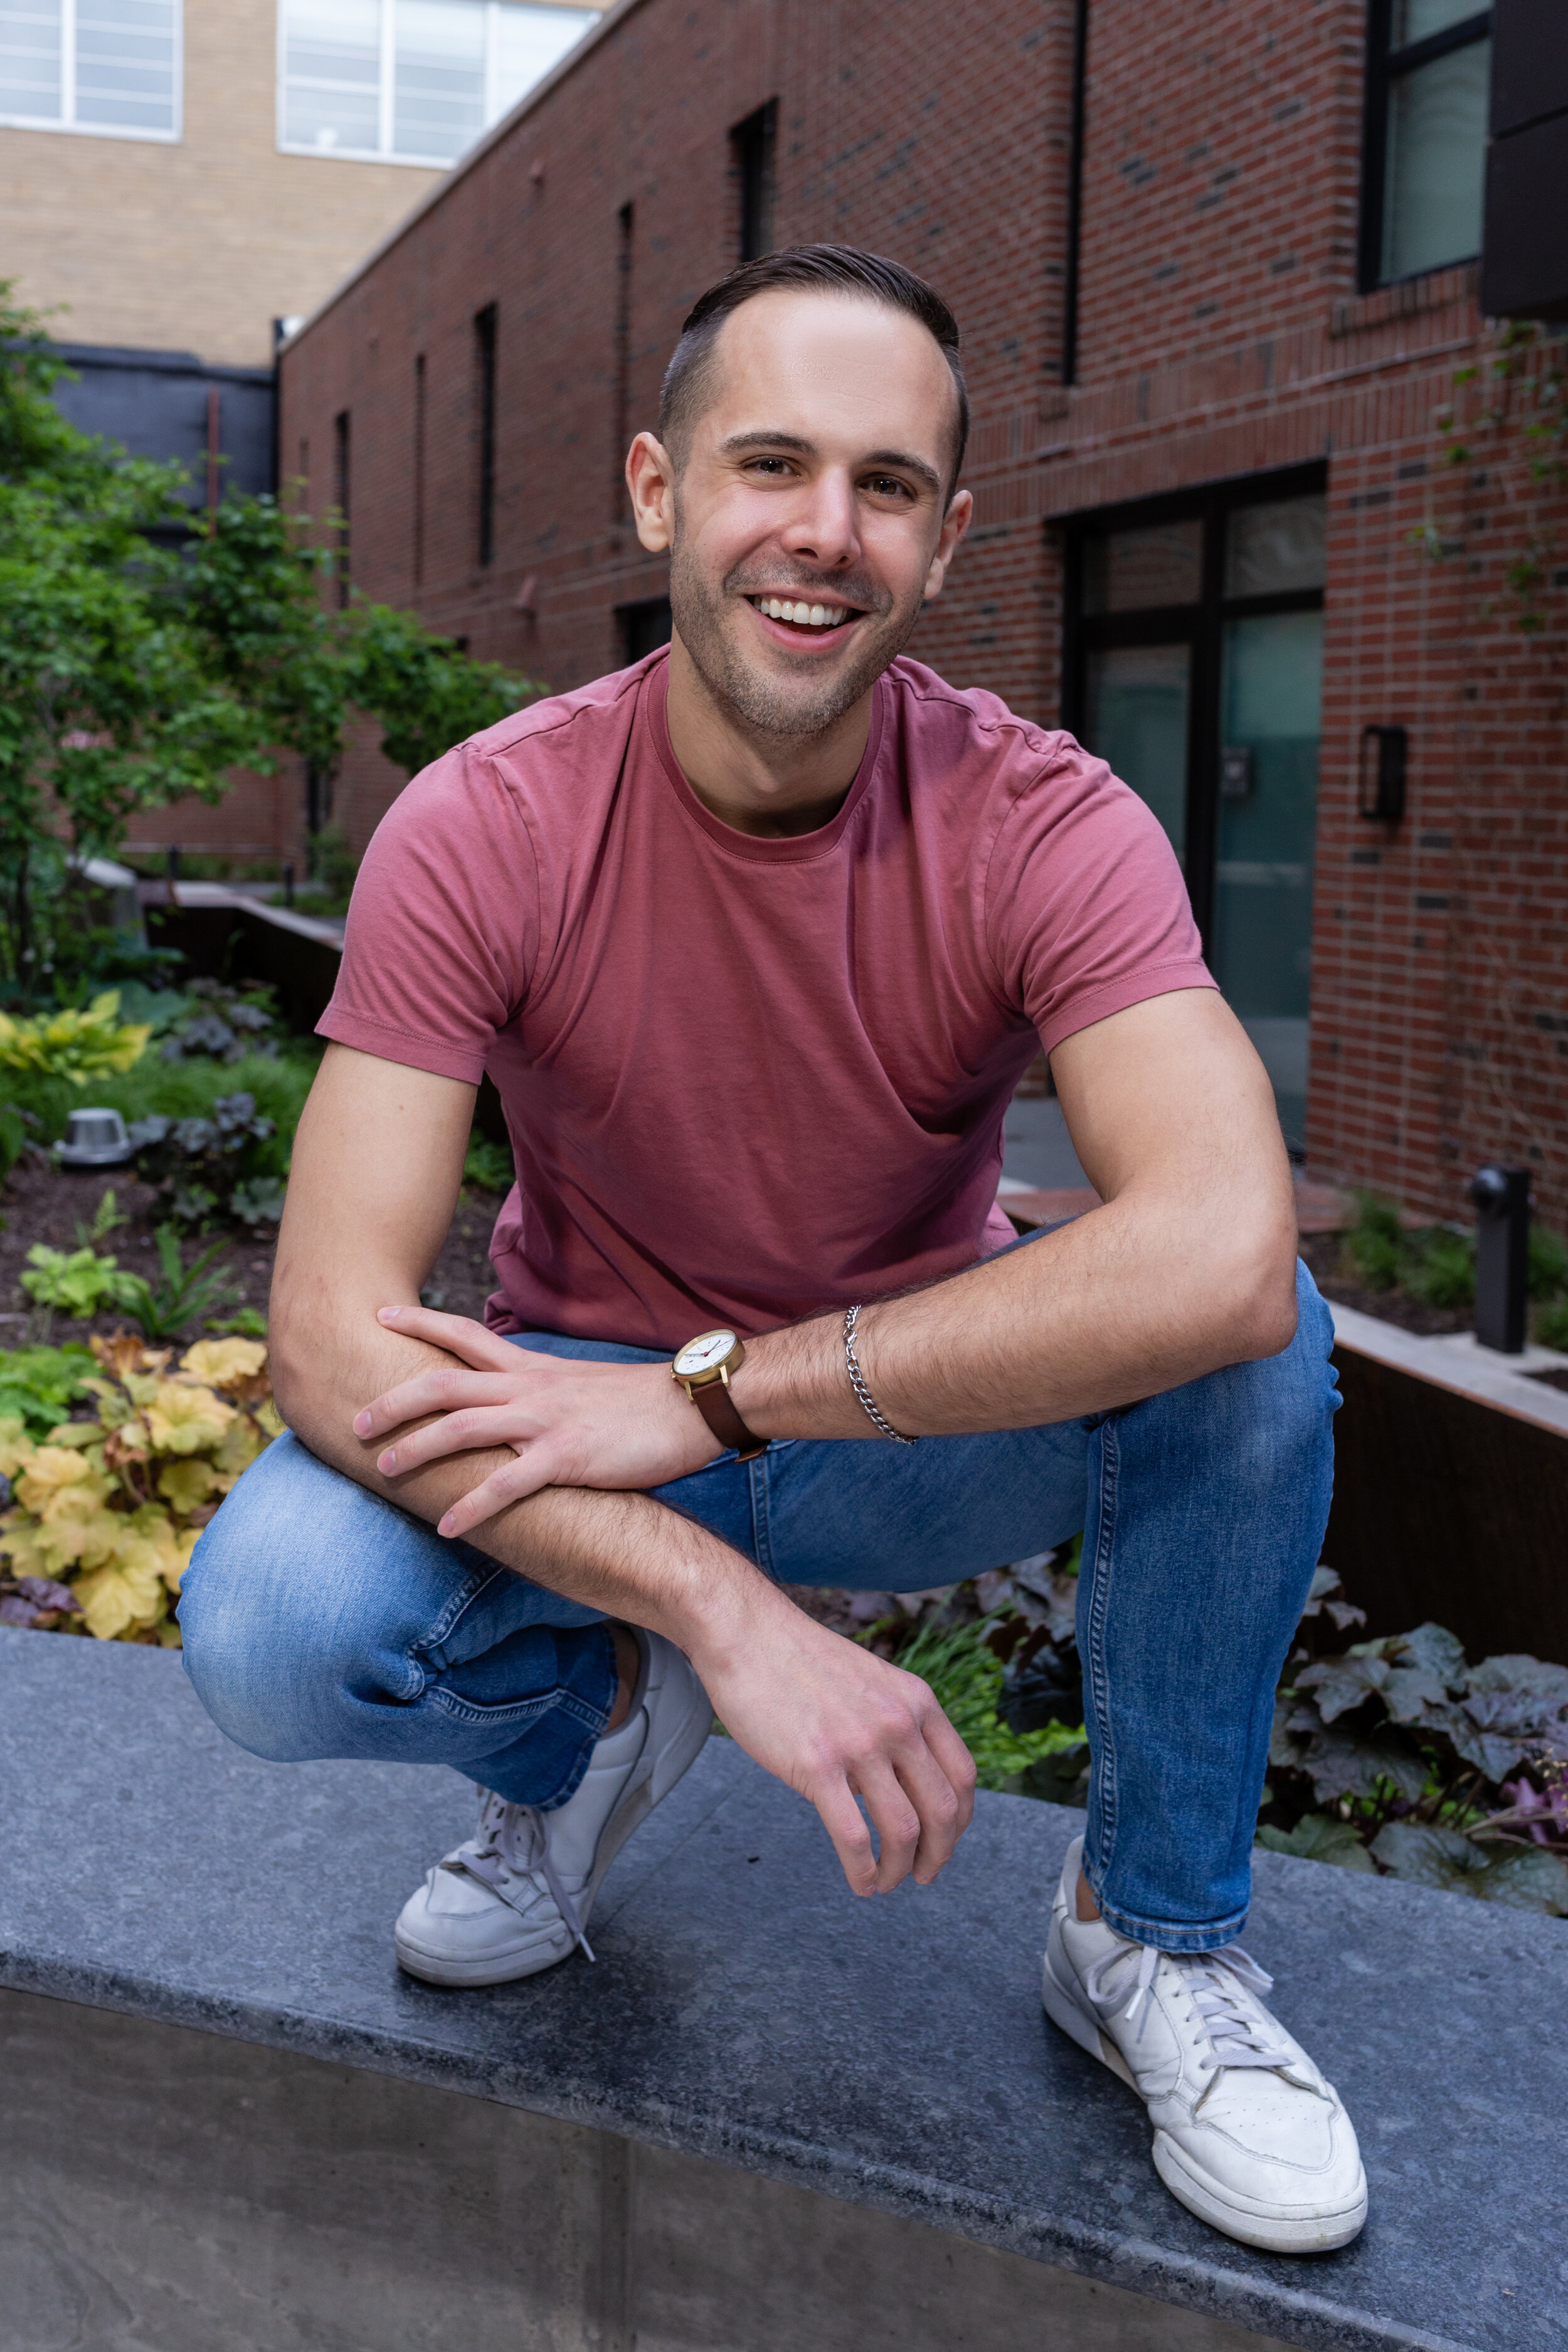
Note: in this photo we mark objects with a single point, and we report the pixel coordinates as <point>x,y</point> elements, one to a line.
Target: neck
<point>756,782</point>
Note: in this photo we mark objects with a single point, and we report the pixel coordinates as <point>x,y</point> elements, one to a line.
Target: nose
<point>824,528</point>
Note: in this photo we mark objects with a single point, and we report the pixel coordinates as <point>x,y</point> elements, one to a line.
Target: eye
<point>776,468</point>
<point>887,486</point>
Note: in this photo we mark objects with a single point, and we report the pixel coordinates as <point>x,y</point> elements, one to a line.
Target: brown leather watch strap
<point>716,1405</point>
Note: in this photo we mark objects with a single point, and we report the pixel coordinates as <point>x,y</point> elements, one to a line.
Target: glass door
<point>1194,668</point>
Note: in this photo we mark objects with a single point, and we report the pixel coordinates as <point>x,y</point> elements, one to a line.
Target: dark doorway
<point>1195,668</point>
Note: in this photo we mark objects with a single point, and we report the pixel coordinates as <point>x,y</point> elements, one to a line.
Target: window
<point>340,486</point>
<point>1194,667</point>
<point>412,82</point>
<point>108,66</point>
<point>1428,73</point>
<point>485,369</point>
<point>751,142</point>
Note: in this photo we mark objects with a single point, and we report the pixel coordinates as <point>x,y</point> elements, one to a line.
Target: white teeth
<point>804,615</point>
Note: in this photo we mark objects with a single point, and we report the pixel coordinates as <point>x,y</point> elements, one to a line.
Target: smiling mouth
<point>798,613</point>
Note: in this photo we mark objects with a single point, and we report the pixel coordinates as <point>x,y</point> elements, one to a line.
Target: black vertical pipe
<point>1075,192</point>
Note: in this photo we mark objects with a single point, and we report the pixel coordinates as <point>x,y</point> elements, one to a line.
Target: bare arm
<point>377,1162</point>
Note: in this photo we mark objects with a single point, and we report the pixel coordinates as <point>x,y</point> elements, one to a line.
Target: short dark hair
<point>832,268</point>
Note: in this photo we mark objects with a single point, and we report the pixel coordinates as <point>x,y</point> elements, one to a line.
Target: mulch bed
<point>43,1204</point>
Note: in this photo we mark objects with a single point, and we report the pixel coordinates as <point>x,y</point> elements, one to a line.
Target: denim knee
<point>282,1608</point>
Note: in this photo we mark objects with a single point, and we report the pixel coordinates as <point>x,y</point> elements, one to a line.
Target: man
<point>756,939</point>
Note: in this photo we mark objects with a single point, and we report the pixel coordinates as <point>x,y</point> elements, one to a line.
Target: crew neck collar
<point>787,849</point>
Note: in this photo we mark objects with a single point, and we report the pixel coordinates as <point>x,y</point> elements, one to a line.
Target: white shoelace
<point>1217,1983</point>
<point>513,1841</point>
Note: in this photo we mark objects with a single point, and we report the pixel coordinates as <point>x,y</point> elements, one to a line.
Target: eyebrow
<point>900,458</point>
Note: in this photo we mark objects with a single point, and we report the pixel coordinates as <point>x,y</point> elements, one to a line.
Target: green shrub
<point>71,1045</point>
<point>187,1089</point>
<point>1442,1268</point>
<point>1551,1326</point>
<point>1548,1265</point>
<point>488,1166</point>
<point>966,1678</point>
<point>1376,1243</point>
<point>38,1384</point>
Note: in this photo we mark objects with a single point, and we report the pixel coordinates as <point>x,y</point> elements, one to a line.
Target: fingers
<point>513,1482</point>
<point>458,1333</point>
<point>436,1391</point>
<point>472,1431</point>
<point>896,1821</point>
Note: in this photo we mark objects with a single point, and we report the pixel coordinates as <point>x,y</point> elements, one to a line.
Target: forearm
<point>1137,1298</point>
<point>623,1553</point>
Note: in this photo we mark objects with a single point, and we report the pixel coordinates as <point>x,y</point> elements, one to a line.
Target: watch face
<point>701,1354</point>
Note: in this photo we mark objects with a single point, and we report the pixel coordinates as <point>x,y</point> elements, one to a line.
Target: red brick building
<point>1214,267</point>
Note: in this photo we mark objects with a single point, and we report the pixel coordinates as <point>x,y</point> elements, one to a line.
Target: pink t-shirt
<point>749,1079</point>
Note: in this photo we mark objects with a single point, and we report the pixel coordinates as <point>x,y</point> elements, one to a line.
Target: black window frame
<point>1384,67</point>
<point>1198,624</point>
<point>641,628</point>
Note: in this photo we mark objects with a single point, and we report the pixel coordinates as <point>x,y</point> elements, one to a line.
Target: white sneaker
<point>1248,2134</point>
<point>517,1895</point>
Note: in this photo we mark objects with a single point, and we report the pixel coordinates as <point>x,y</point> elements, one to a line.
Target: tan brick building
<point>178,176</point>
<point>1216,269</point>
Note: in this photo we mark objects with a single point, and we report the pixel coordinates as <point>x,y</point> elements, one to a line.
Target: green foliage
<point>77,1283</point>
<point>1395,1754</point>
<point>245,1322</point>
<point>188,1089</point>
<point>1443,1269</point>
<point>965,1676</point>
<point>13,1137</point>
<point>211,1166</point>
<point>1376,1243</point>
<point>180,1296</point>
<point>1512,416</point>
<point>107,1218</point>
<point>1547,1277</point>
<point>147,649</point>
<point>487,1166</point>
<point>38,1384</point>
<point>1552,1327</point>
<point>72,1045</point>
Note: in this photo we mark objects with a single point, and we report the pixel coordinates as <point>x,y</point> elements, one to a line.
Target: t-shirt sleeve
<point>1087,912</point>
<point>443,927</point>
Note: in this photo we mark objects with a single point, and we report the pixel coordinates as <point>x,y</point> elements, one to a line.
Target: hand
<point>570,1424</point>
<point>837,1722</point>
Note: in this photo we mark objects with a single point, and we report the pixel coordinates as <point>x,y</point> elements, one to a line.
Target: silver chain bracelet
<point>858,1383</point>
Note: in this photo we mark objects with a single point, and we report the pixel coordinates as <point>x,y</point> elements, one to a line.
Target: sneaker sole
<point>1272,2235</point>
<point>669,1766</point>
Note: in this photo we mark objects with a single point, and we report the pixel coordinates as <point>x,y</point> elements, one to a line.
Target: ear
<point>955,522</point>
<point>650,478</point>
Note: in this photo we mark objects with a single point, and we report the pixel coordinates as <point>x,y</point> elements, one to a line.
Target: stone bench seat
<point>769,2116</point>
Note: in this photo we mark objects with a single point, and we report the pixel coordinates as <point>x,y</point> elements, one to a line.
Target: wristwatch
<point>703,1367</point>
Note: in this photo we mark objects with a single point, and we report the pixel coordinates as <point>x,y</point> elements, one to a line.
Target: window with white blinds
<point>108,66</point>
<point>410,81</point>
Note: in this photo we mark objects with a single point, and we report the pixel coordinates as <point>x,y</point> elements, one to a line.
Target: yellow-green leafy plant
<point>110,1510</point>
<point>77,1045</point>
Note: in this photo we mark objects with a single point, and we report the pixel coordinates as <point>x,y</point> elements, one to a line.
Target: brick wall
<point>1220,334</point>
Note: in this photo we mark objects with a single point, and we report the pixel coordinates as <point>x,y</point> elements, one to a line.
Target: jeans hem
<point>1166,1938</point>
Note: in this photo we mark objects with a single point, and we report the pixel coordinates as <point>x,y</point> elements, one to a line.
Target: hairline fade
<point>802,268</point>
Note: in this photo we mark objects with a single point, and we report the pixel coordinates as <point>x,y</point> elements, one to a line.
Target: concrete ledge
<point>745,2014</point>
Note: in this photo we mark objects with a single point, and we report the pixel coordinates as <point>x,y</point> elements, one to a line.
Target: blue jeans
<point>320,1621</point>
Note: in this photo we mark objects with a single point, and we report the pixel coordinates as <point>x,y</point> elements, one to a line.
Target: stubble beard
<point>766,705</point>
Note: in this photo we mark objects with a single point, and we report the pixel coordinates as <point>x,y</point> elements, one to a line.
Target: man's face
<point>815,479</point>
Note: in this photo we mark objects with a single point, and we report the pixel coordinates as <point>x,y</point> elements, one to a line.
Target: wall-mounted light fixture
<point>1380,783</point>
<point>1236,772</point>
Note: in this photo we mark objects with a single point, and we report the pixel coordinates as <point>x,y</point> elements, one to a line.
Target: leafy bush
<point>180,1296</point>
<point>1552,1327</point>
<point>108,1511</point>
<point>209,1017</point>
<point>1436,1263</point>
<point>74,1045</point>
<point>488,1166</point>
<point>186,1090</point>
<point>78,1283</point>
<point>1409,1750</point>
<point>38,1384</point>
<point>966,1677</point>
<point>208,1167</point>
